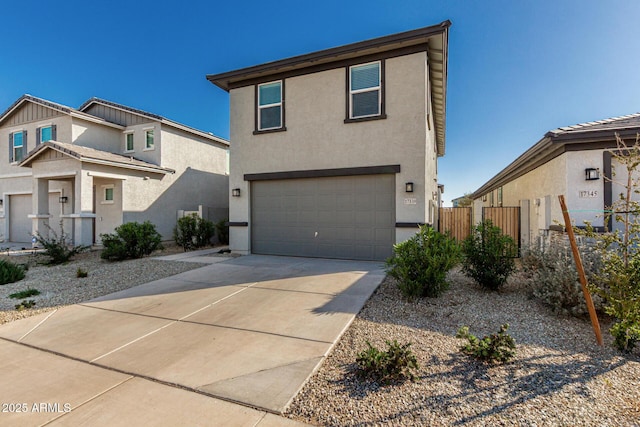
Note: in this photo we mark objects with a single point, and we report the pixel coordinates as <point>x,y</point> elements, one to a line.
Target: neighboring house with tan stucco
<point>334,153</point>
<point>574,161</point>
<point>102,165</point>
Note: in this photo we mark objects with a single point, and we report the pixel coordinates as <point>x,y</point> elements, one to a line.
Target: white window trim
<point>369,89</point>
<point>147,129</point>
<point>276,104</point>
<point>126,134</point>
<point>48,125</point>
<point>104,194</point>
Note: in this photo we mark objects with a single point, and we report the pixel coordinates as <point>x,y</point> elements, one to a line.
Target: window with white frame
<point>107,194</point>
<point>17,146</point>
<point>270,112</point>
<point>128,142</point>
<point>500,196</point>
<point>365,90</point>
<point>45,133</point>
<point>148,139</point>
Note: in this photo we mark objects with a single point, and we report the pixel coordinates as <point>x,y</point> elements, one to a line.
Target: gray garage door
<point>19,222</point>
<point>339,217</point>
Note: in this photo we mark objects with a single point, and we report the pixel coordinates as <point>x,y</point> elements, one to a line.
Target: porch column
<point>40,207</point>
<point>83,209</point>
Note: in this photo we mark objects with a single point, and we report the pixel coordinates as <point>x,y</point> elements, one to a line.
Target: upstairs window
<point>45,133</point>
<point>17,146</point>
<point>270,106</point>
<point>365,90</point>
<point>149,142</point>
<point>128,142</point>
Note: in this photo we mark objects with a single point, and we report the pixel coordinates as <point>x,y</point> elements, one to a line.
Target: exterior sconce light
<point>591,174</point>
<point>1,201</point>
<point>63,199</point>
<point>235,192</point>
<point>408,187</point>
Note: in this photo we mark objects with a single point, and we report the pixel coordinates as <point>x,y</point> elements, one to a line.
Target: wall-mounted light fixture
<point>63,199</point>
<point>1,201</point>
<point>408,187</point>
<point>591,174</point>
<point>235,192</point>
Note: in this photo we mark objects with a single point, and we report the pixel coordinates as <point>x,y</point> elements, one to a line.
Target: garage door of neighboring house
<point>19,222</point>
<point>351,217</point>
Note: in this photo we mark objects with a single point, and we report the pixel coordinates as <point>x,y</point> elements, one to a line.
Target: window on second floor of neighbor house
<point>17,146</point>
<point>491,202</point>
<point>128,142</point>
<point>365,90</point>
<point>149,139</point>
<point>499,196</point>
<point>270,106</point>
<point>45,133</point>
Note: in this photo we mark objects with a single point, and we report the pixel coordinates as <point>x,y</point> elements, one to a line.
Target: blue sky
<point>516,68</point>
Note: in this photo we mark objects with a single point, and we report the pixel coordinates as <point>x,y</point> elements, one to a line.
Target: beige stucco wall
<point>93,135</point>
<point>317,137</point>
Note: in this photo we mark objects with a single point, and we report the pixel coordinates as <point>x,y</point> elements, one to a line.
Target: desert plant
<point>25,294</point>
<point>193,232</point>
<point>56,246</point>
<point>500,347</point>
<point>222,231</point>
<point>553,278</point>
<point>395,364</point>
<point>421,263</point>
<point>10,272</point>
<point>130,240</point>
<point>81,273</point>
<point>618,281</point>
<point>489,255</point>
<point>25,304</point>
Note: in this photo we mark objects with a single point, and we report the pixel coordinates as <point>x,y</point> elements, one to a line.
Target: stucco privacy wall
<point>317,137</point>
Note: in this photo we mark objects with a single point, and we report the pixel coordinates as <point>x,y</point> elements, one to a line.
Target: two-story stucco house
<point>574,161</point>
<point>334,153</point>
<point>101,165</point>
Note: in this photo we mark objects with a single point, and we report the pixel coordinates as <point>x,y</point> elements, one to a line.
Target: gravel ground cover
<point>59,286</point>
<point>560,377</point>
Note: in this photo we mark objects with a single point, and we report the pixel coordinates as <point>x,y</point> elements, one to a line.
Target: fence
<point>457,221</point>
<point>507,218</point>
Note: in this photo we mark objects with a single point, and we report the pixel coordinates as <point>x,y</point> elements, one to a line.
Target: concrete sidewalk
<point>249,330</point>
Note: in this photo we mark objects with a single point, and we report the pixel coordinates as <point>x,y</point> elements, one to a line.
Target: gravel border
<point>559,377</point>
<point>59,286</point>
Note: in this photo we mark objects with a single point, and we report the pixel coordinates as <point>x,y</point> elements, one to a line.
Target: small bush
<point>420,264</point>
<point>10,272</point>
<point>25,294</point>
<point>553,277</point>
<point>25,304</point>
<point>498,347</point>
<point>130,241</point>
<point>395,364</point>
<point>57,247</point>
<point>222,231</point>
<point>81,273</point>
<point>193,232</point>
<point>489,255</point>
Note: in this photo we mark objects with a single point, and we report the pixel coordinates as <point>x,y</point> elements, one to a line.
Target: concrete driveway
<point>184,349</point>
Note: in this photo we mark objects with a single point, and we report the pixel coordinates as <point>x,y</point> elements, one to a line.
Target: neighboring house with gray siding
<point>574,161</point>
<point>102,165</point>
<point>334,153</point>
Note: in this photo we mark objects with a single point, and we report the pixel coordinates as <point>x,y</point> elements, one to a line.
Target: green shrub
<point>553,277</point>
<point>395,364</point>
<point>489,255</point>
<point>57,247</point>
<point>193,232</point>
<point>420,264</point>
<point>498,347</point>
<point>222,231</point>
<point>25,294</point>
<point>130,241</point>
<point>25,304</point>
<point>10,272</point>
<point>81,273</point>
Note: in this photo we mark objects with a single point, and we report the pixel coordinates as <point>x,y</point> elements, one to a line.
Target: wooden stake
<point>580,267</point>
